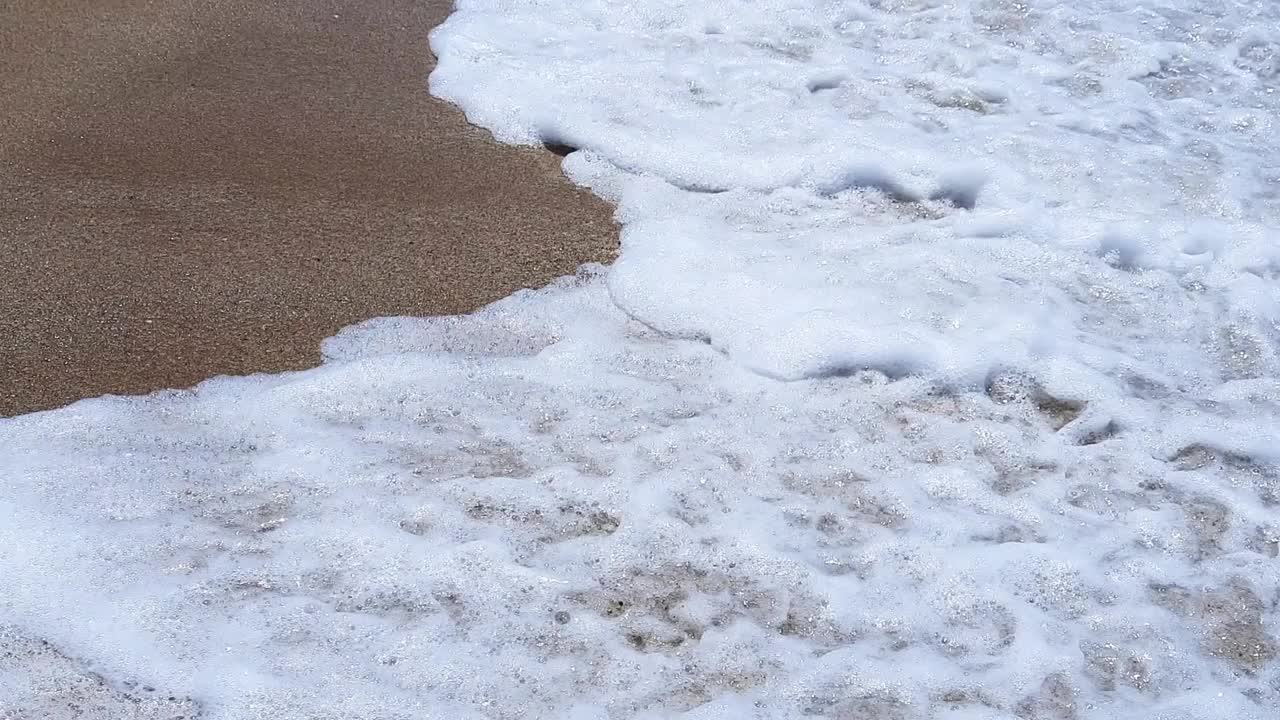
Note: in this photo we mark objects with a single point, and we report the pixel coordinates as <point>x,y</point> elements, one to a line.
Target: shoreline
<point>206,189</point>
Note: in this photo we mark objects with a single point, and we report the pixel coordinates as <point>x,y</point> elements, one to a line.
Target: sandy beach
<point>190,189</point>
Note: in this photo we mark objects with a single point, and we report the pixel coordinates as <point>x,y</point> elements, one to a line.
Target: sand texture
<point>198,188</point>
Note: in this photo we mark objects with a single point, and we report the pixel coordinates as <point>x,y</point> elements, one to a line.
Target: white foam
<point>1102,125</point>
<point>938,377</point>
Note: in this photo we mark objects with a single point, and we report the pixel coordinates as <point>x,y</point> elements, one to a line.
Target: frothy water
<point>915,186</point>
<point>939,377</point>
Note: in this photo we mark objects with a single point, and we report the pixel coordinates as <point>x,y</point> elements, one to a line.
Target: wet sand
<point>193,188</point>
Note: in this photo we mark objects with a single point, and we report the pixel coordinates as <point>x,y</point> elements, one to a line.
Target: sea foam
<point>938,377</point>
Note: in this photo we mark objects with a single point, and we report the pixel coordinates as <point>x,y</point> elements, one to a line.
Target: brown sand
<point>198,187</point>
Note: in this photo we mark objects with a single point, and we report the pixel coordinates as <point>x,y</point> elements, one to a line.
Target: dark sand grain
<point>192,188</point>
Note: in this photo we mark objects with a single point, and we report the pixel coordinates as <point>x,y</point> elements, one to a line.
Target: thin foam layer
<point>589,517</point>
